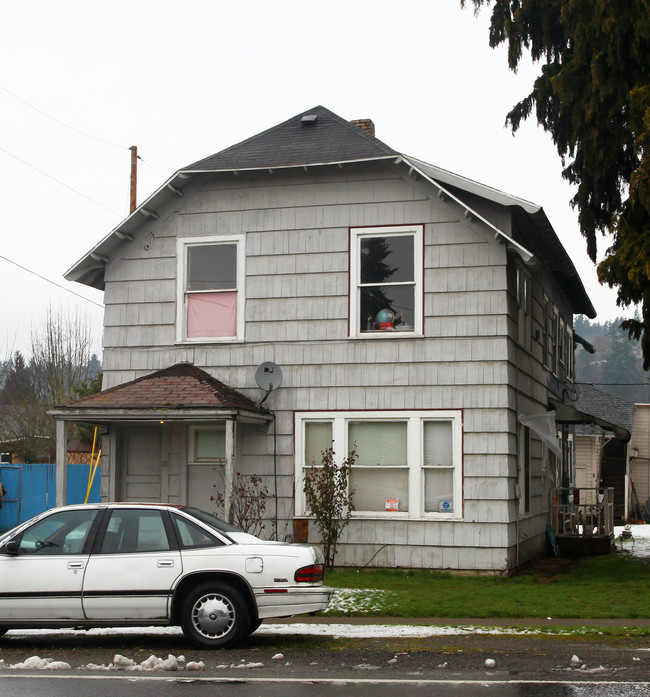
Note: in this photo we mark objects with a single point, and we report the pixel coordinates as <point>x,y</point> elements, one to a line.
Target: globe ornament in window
<point>385,318</point>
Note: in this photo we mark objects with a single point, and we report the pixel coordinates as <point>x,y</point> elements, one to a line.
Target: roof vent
<point>309,119</point>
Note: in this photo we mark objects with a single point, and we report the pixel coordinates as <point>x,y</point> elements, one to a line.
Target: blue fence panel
<point>38,490</point>
<point>31,489</point>
<point>10,476</point>
<point>78,484</point>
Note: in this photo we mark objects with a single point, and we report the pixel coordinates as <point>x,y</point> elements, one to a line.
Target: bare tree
<point>60,363</point>
<point>61,353</point>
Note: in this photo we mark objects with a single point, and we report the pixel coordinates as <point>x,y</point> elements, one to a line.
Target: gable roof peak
<point>314,136</point>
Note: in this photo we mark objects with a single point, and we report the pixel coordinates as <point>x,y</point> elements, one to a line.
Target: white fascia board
<point>304,165</point>
<point>474,187</point>
<point>526,255</point>
<point>75,272</point>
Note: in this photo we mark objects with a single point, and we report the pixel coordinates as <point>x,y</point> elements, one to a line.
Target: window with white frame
<point>523,469</point>
<point>524,327</point>
<point>386,270</point>
<point>569,348</point>
<point>555,323</point>
<point>409,464</point>
<point>548,332</point>
<point>210,295</point>
<point>207,444</point>
<point>561,349</point>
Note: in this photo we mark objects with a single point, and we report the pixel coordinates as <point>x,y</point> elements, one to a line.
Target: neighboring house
<point>601,446</point>
<point>421,317</point>
<point>16,438</point>
<point>640,460</point>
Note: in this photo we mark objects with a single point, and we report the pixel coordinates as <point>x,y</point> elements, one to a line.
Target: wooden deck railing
<point>583,512</point>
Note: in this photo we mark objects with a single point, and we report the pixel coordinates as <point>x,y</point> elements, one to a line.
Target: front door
<point>142,464</point>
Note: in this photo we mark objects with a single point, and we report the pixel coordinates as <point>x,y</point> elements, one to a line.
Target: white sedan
<point>126,564</point>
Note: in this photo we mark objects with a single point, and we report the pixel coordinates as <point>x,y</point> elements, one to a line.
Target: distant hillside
<point>617,365</point>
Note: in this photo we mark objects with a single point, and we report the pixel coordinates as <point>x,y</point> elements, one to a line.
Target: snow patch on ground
<point>385,631</point>
<point>171,663</point>
<point>638,545</point>
<point>357,600</point>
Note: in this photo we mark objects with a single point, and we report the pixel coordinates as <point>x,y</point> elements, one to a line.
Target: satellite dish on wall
<point>268,376</point>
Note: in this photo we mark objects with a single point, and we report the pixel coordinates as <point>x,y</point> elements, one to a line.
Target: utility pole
<point>134,177</point>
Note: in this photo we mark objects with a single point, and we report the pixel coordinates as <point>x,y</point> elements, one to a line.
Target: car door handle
<point>165,563</point>
<point>75,565</point>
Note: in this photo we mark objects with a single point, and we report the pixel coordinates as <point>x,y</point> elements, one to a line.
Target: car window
<point>60,533</point>
<point>192,536</point>
<point>131,531</point>
<point>211,520</point>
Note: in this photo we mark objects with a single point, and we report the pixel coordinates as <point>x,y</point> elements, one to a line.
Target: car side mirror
<point>12,547</point>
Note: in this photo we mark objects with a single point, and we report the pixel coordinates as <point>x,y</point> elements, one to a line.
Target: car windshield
<point>211,520</point>
<point>10,533</point>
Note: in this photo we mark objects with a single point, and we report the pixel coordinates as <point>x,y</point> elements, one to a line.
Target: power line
<point>619,384</point>
<point>151,167</point>
<point>76,130</point>
<point>58,181</point>
<point>43,278</point>
<point>62,123</point>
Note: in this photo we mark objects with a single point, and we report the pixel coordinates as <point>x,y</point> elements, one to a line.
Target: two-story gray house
<point>420,317</point>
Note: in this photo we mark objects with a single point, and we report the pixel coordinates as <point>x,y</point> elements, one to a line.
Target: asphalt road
<point>171,687</point>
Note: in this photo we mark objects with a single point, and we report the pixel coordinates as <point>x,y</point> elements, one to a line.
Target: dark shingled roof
<point>328,139</point>
<point>604,405</point>
<point>181,386</point>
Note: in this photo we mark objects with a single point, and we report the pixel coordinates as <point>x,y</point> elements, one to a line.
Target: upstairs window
<point>386,281</point>
<point>210,289</point>
<point>524,328</point>
<point>561,350</point>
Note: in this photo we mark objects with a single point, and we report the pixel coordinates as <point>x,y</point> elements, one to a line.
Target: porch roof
<point>179,392</point>
<point>597,408</point>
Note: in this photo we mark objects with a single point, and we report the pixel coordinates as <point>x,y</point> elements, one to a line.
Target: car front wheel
<point>214,616</point>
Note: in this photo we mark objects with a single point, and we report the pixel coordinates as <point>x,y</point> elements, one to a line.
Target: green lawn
<point>611,586</point>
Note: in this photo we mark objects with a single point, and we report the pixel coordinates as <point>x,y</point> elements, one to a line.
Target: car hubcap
<point>213,615</point>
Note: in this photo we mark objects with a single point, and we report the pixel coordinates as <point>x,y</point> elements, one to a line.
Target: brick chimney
<point>365,125</point>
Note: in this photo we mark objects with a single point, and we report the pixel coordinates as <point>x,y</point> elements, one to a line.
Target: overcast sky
<point>84,80</point>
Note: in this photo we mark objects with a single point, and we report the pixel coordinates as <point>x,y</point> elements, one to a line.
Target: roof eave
<point>566,413</point>
<point>95,259</point>
<point>122,414</point>
<point>526,255</point>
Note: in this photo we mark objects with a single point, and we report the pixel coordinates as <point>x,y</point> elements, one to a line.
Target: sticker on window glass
<point>446,506</point>
<point>392,505</point>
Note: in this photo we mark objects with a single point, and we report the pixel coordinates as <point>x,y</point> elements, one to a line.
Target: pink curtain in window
<point>211,314</point>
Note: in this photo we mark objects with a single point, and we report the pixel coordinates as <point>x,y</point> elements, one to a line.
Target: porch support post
<point>231,431</point>
<point>61,461</point>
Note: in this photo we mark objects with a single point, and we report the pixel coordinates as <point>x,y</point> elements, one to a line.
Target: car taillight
<point>310,574</point>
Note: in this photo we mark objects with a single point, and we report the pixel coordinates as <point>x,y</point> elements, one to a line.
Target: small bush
<point>329,500</point>
<point>247,504</point>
